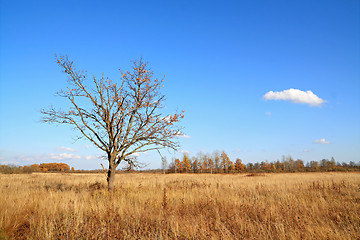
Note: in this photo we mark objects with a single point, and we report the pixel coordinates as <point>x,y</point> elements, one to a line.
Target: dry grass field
<point>181,206</point>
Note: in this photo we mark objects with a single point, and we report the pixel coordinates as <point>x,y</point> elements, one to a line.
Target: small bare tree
<point>120,118</point>
<point>164,163</point>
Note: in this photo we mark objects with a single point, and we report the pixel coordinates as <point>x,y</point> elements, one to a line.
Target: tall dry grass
<point>154,206</point>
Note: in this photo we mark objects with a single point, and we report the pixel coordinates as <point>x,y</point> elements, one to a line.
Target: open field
<point>181,206</point>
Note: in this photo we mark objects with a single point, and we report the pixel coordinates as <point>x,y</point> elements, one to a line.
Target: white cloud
<point>89,157</point>
<point>268,114</point>
<point>182,135</point>
<point>321,141</point>
<point>295,96</point>
<point>66,149</point>
<point>64,156</point>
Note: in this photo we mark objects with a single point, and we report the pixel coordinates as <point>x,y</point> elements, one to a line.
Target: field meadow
<point>180,206</point>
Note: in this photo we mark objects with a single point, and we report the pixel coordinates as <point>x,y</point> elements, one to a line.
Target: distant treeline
<point>221,163</point>
<point>43,167</point>
<point>50,167</point>
<point>204,163</point>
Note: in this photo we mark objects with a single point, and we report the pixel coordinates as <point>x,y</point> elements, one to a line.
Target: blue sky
<point>220,58</point>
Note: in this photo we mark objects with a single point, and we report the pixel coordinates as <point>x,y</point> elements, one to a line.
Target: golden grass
<point>181,206</point>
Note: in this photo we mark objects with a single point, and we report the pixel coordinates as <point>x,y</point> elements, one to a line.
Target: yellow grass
<point>181,206</point>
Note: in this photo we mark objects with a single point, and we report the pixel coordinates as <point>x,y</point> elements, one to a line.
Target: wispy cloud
<point>268,114</point>
<point>21,159</point>
<point>182,135</point>
<point>321,141</point>
<point>64,156</point>
<point>185,136</point>
<point>295,96</point>
<point>66,149</point>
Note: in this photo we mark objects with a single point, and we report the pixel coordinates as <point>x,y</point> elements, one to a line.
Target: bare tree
<point>164,163</point>
<point>120,118</point>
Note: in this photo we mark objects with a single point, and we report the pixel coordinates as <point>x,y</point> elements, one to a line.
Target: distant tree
<point>64,167</point>
<point>239,166</point>
<point>332,163</point>
<point>225,161</point>
<point>324,163</point>
<point>35,167</point>
<point>120,118</point>
<point>186,163</point>
<point>231,166</point>
<point>204,165</point>
<point>299,165</point>
<point>178,166</point>
<point>211,164</point>
<point>27,169</point>
<point>202,162</point>
<point>273,167</point>
<point>314,165</point>
<point>345,165</point>
<point>256,166</point>
<point>265,166</point>
<point>171,166</point>
<point>217,161</point>
<point>194,164</point>
<point>250,166</point>
<point>291,164</point>
<point>279,166</point>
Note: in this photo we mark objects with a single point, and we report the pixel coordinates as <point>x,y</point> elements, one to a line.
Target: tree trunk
<point>111,179</point>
